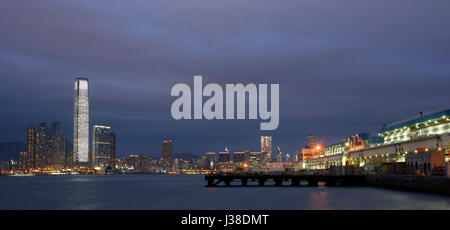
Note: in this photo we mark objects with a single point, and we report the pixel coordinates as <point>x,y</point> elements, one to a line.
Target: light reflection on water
<point>189,192</point>
<point>318,200</point>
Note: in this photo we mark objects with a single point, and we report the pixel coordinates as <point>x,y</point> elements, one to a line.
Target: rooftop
<point>430,115</point>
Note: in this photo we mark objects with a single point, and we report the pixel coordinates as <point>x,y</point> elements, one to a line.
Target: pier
<point>277,180</point>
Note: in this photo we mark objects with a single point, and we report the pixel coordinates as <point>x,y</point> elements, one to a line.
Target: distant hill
<point>10,150</point>
<point>186,156</point>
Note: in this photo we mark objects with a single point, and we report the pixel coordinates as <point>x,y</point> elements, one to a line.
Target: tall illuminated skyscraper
<point>44,142</point>
<point>112,141</point>
<point>32,147</point>
<point>58,146</point>
<point>81,121</point>
<point>266,148</point>
<point>167,153</point>
<point>101,146</point>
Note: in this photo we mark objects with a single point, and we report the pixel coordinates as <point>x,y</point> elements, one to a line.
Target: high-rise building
<point>112,141</point>
<point>139,163</point>
<point>210,160</point>
<point>81,121</point>
<point>167,153</point>
<point>23,161</point>
<point>266,148</point>
<point>279,155</point>
<point>224,157</point>
<point>101,146</point>
<point>312,150</point>
<point>311,141</point>
<point>241,156</point>
<point>255,160</point>
<point>58,146</point>
<point>32,147</point>
<point>43,146</point>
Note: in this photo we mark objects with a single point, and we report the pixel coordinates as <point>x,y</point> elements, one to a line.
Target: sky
<point>343,67</point>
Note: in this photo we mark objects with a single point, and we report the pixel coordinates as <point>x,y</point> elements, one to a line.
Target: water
<point>189,192</point>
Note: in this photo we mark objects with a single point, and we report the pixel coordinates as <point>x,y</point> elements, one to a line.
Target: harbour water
<point>189,192</point>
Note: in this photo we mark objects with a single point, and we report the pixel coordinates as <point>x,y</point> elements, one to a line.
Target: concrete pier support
<point>244,181</point>
<point>261,181</point>
<point>278,181</point>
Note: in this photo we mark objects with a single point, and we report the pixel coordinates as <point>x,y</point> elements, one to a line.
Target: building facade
<point>210,160</point>
<point>167,153</point>
<point>43,146</point>
<point>81,121</point>
<point>32,147</point>
<point>224,157</point>
<point>101,146</point>
<point>399,143</point>
<point>266,148</point>
<point>112,141</point>
<point>58,146</point>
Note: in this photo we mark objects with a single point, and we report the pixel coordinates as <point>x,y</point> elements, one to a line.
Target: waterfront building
<point>298,156</point>
<point>279,155</point>
<point>363,140</point>
<point>312,150</point>
<point>425,162</point>
<point>137,163</point>
<point>431,123</point>
<point>101,146</point>
<point>224,157</point>
<point>32,147</point>
<point>210,160</point>
<point>336,148</point>
<point>69,161</point>
<point>23,161</point>
<point>112,141</point>
<point>266,148</point>
<point>58,146</point>
<point>81,121</point>
<point>397,143</point>
<point>167,153</point>
<point>255,160</point>
<point>43,146</point>
<point>311,140</point>
<point>240,156</point>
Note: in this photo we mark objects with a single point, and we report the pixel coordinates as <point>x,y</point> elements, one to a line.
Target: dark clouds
<point>343,66</point>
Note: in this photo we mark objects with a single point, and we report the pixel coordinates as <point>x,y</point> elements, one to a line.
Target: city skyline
<point>332,86</point>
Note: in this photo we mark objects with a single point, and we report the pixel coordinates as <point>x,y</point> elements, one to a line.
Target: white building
<point>81,121</point>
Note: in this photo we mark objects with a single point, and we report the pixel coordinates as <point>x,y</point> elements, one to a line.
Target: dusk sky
<point>343,66</point>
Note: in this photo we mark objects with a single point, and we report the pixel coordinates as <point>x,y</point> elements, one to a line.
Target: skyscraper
<point>210,160</point>
<point>167,153</point>
<point>112,140</point>
<point>43,146</point>
<point>279,155</point>
<point>58,146</point>
<point>81,121</point>
<point>266,148</point>
<point>32,147</point>
<point>101,146</point>
<point>311,141</point>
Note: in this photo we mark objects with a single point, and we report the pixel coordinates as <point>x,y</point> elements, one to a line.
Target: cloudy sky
<point>343,66</point>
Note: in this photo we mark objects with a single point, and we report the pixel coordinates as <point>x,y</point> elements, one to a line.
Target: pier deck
<point>293,180</point>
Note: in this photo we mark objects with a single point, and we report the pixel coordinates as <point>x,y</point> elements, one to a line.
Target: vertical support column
<point>244,181</point>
